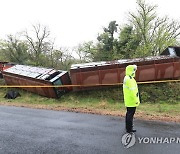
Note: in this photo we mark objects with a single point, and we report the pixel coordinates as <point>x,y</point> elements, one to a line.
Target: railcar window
<point>172,52</point>
<point>52,75</point>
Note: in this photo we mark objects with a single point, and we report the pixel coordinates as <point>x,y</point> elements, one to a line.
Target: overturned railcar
<point>166,66</point>
<point>37,76</point>
<point>3,66</point>
<point>89,75</point>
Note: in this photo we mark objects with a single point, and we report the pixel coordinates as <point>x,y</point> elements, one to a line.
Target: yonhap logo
<point>159,140</point>
<point>128,140</point>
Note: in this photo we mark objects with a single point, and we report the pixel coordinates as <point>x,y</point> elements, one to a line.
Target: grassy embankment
<point>159,101</point>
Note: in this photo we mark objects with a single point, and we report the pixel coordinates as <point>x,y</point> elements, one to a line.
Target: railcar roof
<point>33,72</point>
<point>121,61</point>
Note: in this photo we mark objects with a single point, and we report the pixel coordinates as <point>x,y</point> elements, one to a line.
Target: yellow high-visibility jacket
<point>130,88</point>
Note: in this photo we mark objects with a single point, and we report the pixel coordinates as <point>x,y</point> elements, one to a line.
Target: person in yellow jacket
<point>131,96</point>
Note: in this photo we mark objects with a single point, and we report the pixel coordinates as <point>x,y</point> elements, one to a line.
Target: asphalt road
<point>25,131</point>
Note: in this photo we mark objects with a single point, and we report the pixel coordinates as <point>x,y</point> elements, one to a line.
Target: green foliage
<point>150,93</point>
<point>85,51</point>
<point>155,33</point>
<point>128,42</point>
<point>146,34</point>
<point>106,46</point>
<point>36,50</point>
<point>163,92</point>
<point>14,50</point>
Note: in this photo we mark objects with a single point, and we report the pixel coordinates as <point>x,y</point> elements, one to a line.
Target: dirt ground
<point>138,115</point>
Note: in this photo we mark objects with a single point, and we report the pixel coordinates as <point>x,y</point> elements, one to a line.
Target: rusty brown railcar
<point>162,67</point>
<point>36,76</point>
<point>166,66</point>
<point>3,66</point>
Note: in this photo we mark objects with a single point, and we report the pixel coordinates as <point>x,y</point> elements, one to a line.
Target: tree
<point>85,51</point>
<point>39,44</point>
<point>128,42</point>
<point>66,59</point>
<point>155,33</point>
<point>15,50</point>
<point>56,58</point>
<point>106,47</point>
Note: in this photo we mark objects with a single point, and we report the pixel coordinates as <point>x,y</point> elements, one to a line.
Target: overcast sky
<point>72,21</point>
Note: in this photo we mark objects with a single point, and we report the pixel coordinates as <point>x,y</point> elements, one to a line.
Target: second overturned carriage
<point>166,66</point>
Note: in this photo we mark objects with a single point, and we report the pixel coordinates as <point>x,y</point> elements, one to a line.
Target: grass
<point>159,102</point>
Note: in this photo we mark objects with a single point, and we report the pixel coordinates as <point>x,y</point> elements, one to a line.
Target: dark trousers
<point>129,118</point>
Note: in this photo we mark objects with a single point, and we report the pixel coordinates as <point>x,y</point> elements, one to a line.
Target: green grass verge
<point>157,99</point>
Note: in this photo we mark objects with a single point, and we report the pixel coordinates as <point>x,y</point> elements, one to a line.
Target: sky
<point>73,21</point>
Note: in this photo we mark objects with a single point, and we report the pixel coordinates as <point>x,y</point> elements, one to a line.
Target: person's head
<point>131,70</point>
